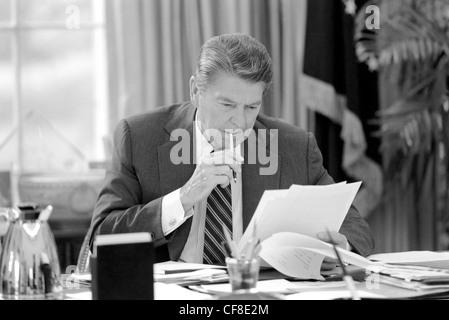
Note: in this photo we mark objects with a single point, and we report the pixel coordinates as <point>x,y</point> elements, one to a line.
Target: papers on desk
<point>414,270</point>
<point>288,221</point>
<point>181,273</point>
<point>172,267</point>
<point>439,260</point>
<point>411,277</point>
<point>300,256</point>
<point>268,286</point>
<point>164,291</point>
<point>278,286</point>
<point>171,272</point>
<point>305,210</point>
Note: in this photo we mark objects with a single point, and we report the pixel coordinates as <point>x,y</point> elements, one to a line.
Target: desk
<point>366,289</point>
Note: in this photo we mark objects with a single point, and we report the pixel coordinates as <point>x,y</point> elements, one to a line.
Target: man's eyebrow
<point>255,103</point>
<point>226,99</point>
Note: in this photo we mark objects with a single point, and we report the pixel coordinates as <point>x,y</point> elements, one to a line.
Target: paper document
<point>205,275</point>
<point>306,210</point>
<point>412,277</point>
<point>170,267</point>
<point>288,221</point>
<point>300,256</point>
<point>188,273</point>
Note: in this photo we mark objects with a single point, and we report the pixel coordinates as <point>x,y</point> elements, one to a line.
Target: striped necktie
<point>218,214</point>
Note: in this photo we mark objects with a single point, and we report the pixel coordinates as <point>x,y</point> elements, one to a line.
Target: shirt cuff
<point>348,246</point>
<point>173,215</point>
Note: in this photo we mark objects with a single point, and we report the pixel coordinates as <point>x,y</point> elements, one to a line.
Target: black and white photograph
<point>201,151</point>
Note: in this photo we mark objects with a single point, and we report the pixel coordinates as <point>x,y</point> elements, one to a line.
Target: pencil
<point>348,279</point>
<point>231,146</point>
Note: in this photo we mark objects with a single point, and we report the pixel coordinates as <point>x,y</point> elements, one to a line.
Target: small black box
<point>122,271</point>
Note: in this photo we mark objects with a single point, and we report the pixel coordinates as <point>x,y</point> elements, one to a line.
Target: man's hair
<point>235,54</point>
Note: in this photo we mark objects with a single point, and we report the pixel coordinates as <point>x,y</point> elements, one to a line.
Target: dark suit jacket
<point>142,174</point>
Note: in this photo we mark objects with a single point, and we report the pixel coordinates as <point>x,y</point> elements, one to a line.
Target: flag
<point>344,95</point>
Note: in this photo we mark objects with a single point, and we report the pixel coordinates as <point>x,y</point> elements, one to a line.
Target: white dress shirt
<point>173,214</point>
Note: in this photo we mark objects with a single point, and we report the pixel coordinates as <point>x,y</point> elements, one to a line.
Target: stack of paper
<point>431,259</point>
<point>412,277</point>
<point>414,270</point>
<point>188,273</point>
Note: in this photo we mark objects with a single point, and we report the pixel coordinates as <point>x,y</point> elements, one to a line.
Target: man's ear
<point>193,91</point>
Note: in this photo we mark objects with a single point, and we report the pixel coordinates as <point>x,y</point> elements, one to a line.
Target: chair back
<point>82,265</point>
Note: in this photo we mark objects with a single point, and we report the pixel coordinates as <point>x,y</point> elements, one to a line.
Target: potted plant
<point>410,50</point>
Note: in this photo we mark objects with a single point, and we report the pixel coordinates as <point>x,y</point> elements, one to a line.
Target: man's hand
<point>340,241</point>
<point>214,169</point>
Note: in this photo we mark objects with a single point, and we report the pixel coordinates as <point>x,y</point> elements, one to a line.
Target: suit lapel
<point>174,176</point>
<point>254,183</point>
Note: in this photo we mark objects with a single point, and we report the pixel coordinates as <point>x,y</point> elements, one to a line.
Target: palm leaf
<point>407,34</point>
<point>412,50</point>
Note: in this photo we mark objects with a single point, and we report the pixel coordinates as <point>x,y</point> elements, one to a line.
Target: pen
<point>231,146</point>
<point>348,279</point>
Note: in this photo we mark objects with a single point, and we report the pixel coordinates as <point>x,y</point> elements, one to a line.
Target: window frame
<point>14,29</point>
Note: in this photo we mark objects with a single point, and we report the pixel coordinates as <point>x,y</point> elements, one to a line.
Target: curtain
<point>153,46</point>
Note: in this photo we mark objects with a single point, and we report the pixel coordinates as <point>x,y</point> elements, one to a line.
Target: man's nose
<point>238,117</point>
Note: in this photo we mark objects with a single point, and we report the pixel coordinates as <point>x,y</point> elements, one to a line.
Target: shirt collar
<point>202,145</point>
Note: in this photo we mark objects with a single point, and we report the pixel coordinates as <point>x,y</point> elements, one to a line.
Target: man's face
<point>229,103</point>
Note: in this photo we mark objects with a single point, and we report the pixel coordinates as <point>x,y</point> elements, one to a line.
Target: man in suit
<point>149,189</point>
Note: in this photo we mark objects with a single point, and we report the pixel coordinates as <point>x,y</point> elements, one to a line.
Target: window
<point>53,62</point>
